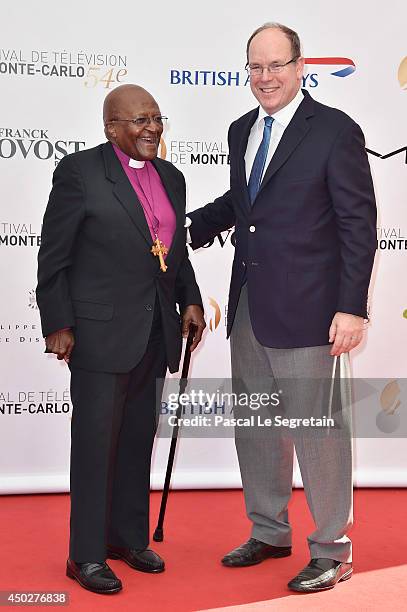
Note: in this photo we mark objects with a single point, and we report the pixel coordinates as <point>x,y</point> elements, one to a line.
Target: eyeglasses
<point>256,70</point>
<point>143,122</point>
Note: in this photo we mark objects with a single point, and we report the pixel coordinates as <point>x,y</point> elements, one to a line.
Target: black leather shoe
<point>96,577</point>
<point>143,560</point>
<point>320,575</point>
<point>252,552</point>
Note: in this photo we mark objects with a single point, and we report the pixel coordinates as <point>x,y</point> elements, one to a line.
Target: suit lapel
<point>242,146</point>
<point>124,191</point>
<point>127,197</point>
<point>293,135</point>
<point>167,179</point>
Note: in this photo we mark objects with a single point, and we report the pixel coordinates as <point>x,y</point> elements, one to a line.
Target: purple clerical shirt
<point>152,195</point>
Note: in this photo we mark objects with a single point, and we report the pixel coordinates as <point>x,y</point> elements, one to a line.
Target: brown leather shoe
<point>253,552</point>
<point>320,575</point>
<point>95,577</point>
<point>143,560</point>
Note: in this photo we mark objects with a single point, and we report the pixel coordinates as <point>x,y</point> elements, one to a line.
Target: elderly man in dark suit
<point>302,202</point>
<point>111,269</point>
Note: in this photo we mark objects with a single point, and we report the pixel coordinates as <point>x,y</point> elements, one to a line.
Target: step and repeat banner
<point>56,67</point>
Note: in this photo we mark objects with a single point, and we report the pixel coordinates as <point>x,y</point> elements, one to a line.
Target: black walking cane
<point>159,530</point>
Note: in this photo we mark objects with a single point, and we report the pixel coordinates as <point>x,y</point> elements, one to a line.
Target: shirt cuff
<point>187,224</point>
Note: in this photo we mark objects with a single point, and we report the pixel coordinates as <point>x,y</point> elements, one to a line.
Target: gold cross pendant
<point>159,249</point>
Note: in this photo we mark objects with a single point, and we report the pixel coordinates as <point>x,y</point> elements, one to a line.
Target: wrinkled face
<point>138,142</point>
<point>274,91</point>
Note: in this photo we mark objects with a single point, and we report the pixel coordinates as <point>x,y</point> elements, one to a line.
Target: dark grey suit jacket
<point>95,270</point>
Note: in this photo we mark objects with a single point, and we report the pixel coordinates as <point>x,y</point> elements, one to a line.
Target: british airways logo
<point>338,66</point>
<point>333,61</point>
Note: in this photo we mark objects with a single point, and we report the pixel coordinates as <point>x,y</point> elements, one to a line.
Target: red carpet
<point>200,527</point>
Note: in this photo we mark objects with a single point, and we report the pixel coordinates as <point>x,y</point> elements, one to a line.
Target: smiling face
<point>274,91</point>
<point>130,102</point>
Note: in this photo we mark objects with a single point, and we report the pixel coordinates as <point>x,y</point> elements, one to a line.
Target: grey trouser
<point>304,376</point>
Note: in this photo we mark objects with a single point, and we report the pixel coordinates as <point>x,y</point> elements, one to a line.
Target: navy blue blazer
<point>307,244</point>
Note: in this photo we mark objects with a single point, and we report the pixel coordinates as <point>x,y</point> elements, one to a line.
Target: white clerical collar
<point>284,115</point>
<point>136,163</point>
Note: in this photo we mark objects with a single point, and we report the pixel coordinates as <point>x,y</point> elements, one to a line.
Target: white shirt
<point>281,120</point>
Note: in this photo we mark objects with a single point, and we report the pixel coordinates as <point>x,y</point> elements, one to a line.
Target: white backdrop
<point>57,65</point>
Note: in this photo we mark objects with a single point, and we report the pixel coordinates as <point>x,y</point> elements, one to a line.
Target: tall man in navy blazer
<point>302,202</point>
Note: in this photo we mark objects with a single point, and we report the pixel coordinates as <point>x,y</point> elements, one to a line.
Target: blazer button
<point>252,228</point>
<point>149,307</point>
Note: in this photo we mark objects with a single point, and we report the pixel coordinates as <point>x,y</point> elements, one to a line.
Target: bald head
<point>122,97</point>
<point>123,104</point>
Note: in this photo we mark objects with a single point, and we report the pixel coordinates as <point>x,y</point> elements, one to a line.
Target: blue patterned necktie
<point>260,160</point>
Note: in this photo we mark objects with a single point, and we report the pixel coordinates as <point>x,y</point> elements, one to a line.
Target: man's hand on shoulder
<point>193,314</point>
<point>60,343</point>
<point>346,332</point>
